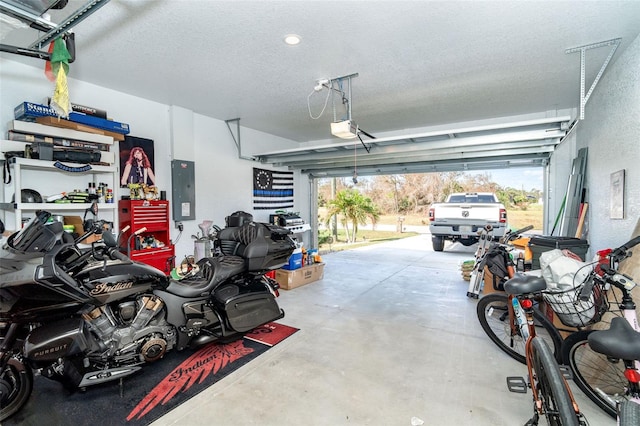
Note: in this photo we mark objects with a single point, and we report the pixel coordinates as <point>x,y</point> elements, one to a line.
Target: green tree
<point>352,208</point>
<point>478,183</point>
<point>451,184</point>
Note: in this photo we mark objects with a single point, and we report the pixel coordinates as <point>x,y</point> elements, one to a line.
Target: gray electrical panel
<point>183,190</point>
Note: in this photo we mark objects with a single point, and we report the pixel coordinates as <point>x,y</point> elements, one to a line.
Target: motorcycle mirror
<point>88,223</point>
<point>94,208</point>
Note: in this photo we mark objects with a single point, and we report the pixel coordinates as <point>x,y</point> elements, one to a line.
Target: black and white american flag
<point>272,190</point>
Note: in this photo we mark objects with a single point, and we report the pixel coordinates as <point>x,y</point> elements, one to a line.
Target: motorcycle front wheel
<point>16,384</point>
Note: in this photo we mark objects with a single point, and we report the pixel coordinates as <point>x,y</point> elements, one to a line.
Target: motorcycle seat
<point>213,271</point>
<point>252,241</point>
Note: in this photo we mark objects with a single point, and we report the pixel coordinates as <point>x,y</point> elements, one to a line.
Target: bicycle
<point>595,364</point>
<point>622,342</point>
<point>485,238</point>
<point>552,396</point>
<point>487,247</point>
<point>497,317</point>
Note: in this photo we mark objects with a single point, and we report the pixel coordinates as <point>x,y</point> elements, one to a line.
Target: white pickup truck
<point>463,215</point>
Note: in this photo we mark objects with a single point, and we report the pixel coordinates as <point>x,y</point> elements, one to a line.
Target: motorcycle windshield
<point>34,236</point>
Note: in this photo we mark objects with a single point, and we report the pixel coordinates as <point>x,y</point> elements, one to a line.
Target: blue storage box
<point>295,261</point>
<point>28,111</point>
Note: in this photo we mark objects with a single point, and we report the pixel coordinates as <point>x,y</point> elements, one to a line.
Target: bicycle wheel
<point>551,386</point>
<point>493,314</point>
<point>629,414</point>
<point>601,380</point>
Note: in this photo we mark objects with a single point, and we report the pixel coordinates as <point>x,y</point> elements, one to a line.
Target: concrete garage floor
<point>387,337</point>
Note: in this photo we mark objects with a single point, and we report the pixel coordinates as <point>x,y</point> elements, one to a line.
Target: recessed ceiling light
<point>292,39</point>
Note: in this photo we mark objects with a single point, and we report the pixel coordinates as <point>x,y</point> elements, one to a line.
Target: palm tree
<point>352,208</point>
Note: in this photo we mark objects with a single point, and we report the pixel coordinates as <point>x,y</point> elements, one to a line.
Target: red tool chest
<point>153,246</point>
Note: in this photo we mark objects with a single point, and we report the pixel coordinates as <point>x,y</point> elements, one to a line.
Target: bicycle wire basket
<point>572,311</point>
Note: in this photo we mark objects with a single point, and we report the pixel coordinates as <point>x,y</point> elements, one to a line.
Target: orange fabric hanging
<point>48,70</point>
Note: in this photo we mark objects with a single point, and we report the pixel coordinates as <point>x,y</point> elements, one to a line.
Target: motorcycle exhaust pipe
<point>201,340</point>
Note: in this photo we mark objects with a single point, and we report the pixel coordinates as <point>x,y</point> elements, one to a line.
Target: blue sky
<point>518,177</point>
<point>525,178</point>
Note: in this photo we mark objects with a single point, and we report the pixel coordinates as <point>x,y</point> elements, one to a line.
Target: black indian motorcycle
<point>88,316</point>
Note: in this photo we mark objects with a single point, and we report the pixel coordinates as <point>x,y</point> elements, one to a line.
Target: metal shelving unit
<point>15,211</point>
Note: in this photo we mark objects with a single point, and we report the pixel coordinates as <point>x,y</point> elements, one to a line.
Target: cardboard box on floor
<point>488,282</point>
<point>76,221</point>
<point>299,277</point>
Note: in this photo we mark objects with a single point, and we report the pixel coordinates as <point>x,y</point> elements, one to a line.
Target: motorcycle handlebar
<point>96,227</point>
<point>114,254</point>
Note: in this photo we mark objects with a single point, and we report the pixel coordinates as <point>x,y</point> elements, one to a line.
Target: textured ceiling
<point>420,63</point>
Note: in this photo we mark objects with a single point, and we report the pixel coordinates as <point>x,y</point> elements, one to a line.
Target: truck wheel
<point>438,243</point>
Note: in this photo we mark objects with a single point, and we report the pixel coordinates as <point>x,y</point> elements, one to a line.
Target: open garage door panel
<point>516,144</point>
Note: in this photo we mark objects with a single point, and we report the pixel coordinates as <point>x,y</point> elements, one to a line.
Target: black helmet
<point>28,196</point>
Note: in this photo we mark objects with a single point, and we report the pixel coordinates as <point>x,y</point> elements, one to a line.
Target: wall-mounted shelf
<point>52,177</point>
<point>54,206</point>
<point>31,164</point>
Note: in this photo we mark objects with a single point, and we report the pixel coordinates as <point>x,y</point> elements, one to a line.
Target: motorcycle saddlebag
<point>247,311</point>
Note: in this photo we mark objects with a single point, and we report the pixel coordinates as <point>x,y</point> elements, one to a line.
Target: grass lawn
<point>521,218</point>
<point>517,219</point>
<point>363,238</point>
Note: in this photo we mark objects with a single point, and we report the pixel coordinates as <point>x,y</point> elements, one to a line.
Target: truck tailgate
<point>467,212</point>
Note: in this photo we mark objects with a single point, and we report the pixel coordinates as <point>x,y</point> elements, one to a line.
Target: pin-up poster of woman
<point>136,161</point>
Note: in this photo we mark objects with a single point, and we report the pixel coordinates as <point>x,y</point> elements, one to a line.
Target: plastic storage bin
<point>540,244</point>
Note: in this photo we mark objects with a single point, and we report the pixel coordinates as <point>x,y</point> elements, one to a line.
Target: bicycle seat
<point>524,284</point>
<point>619,341</point>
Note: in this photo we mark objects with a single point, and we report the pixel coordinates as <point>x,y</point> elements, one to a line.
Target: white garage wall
<point>611,131</point>
<point>223,181</point>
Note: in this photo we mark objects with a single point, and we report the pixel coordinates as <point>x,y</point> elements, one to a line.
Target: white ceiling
<point>420,63</point>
